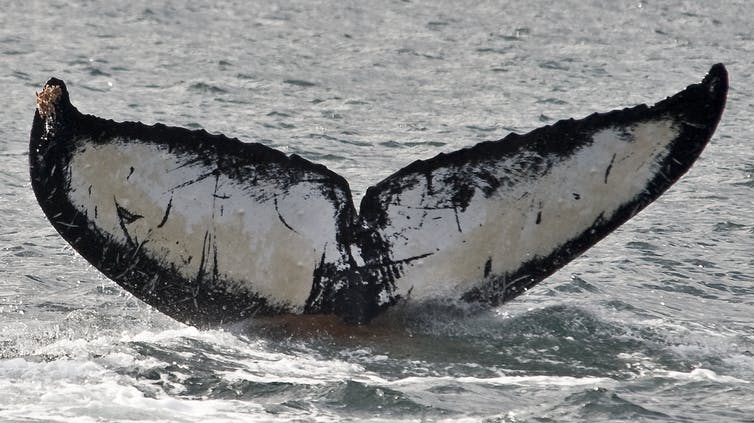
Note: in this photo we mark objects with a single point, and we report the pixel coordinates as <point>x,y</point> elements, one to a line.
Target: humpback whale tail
<point>210,230</point>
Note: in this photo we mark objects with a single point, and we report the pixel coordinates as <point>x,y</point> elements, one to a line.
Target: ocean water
<point>655,323</point>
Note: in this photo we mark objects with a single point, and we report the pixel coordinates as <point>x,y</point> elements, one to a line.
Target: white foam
<point>503,380</point>
<point>294,369</point>
<point>698,374</point>
<point>89,390</point>
<point>110,399</point>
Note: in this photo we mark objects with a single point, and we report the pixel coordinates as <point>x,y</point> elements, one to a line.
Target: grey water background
<point>655,323</point>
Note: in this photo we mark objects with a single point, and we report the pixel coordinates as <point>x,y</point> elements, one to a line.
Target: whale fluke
<point>210,230</point>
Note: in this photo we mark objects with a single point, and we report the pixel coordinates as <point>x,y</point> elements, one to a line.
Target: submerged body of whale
<point>211,230</point>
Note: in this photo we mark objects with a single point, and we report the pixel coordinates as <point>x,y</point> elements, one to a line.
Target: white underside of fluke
<point>174,209</point>
<point>177,211</point>
<point>529,216</point>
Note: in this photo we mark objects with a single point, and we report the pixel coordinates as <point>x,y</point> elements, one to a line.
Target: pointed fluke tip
<point>50,99</point>
<point>717,79</point>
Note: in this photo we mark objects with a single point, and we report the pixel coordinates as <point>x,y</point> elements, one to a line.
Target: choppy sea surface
<point>655,323</point>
